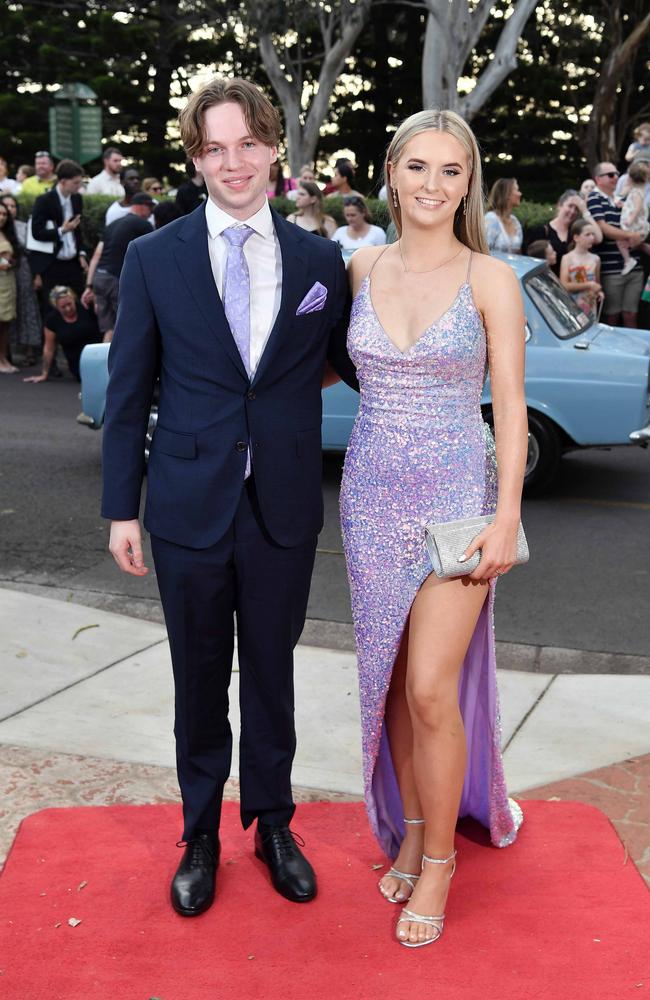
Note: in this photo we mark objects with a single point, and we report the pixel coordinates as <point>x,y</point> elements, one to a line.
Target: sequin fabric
<point>419,451</point>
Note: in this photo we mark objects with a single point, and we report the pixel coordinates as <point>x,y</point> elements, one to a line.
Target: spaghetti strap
<point>376,260</point>
<point>469,266</point>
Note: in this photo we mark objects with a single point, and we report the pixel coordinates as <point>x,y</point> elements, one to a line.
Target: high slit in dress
<point>419,452</point>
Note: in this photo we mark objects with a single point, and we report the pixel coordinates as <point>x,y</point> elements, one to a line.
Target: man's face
<point>113,163</point>
<point>234,164</point>
<point>131,182</point>
<point>606,178</point>
<point>43,166</point>
<point>70,185</point>
<point>144,211</point>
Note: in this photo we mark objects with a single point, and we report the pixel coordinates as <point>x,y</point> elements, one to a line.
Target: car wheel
<point>544,451</point>
<point>544,454</point>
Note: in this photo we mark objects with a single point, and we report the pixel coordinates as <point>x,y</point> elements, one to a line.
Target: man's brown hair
<point>260,116</point>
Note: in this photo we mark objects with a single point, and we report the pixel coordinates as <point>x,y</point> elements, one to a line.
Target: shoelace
<point>284,840</point>
<point>201,850</point>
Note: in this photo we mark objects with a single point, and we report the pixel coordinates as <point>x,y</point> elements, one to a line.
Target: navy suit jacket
<point>171,324</point>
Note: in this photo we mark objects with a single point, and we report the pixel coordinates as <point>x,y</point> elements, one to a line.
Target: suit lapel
<point>193,259</point>
<point>293,279</point>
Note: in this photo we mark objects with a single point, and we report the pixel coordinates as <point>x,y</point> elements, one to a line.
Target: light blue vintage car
<point>587,384</point>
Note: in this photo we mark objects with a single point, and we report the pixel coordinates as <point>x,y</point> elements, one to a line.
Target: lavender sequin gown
<point>419,452</point>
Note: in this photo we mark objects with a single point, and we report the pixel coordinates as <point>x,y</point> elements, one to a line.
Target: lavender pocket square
<point>314,300</point>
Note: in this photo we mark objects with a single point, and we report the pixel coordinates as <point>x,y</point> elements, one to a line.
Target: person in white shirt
<point>359,231</point>
<point>107,181</point>
<point>60,258</point>
<point>239,311</point>
<point>7,184</point>
<point>130,178</point>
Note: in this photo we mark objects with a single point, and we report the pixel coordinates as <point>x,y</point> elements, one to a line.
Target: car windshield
<point>557,307</point>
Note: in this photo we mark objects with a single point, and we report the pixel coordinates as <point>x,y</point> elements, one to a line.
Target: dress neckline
<point>427,329</point>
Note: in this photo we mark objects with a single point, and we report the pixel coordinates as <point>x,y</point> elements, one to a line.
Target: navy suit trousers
<point>265,586</point>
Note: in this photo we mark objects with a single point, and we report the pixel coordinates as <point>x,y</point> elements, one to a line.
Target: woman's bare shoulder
<point>361,264</point>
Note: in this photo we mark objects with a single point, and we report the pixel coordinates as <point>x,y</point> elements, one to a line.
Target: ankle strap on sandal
<point>438,861</point>
<point>413,822</point>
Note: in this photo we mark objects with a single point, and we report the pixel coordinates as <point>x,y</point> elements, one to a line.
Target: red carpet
<point>559,916</point>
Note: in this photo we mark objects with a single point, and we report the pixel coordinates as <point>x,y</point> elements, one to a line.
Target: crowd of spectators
<point>54,291</point>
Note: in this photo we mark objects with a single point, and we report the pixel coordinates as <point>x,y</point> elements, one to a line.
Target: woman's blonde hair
<point>499,196</point>
<point>469,221</point>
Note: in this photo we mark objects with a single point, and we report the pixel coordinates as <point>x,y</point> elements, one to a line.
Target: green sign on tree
<point>75,128</point>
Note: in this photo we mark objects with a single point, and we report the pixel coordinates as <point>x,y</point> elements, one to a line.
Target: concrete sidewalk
<point>86,718</point>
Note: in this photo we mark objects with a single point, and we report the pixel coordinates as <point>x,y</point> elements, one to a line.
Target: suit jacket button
<point>241,446</point>
<point>250,394</point>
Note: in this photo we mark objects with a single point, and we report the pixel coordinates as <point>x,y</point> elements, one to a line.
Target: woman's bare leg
<point>442,621</point>
<point>5,363</point>
<point>400,738</point>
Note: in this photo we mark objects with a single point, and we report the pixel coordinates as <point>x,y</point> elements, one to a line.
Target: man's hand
<point>87,297</point>
<point>71,224</point>
<point>125,546</point>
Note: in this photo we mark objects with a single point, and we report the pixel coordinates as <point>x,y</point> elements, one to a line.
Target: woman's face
<point>338,179</point>
<point>431,178</point>
<point>66,305</point>
<point>304,199</point>
<point>11,205</point>
<point>515,195</point>
<point>568,211</point>
<point>587,187</point>
<point>353,217</point>
<point>308,175</point>
<point>4,214</point>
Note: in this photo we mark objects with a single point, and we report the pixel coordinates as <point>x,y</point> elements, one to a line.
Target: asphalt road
<point>586,586</point>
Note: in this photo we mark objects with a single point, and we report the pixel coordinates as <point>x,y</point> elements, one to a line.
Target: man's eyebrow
<point>218,142</point>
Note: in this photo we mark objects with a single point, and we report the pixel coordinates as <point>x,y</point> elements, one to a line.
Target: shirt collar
<point>62,197</point>
<point>218,220</point>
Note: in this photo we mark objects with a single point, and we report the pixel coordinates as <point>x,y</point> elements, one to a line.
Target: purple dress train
<point>419,452</point>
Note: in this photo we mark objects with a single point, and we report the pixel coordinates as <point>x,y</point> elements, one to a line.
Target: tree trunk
<point>599,141</point>
<point>452,32</point>
<point>339,35</point>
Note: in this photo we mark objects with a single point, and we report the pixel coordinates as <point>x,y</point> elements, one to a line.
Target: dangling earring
<point>394,197</point>
<point>464,204</point>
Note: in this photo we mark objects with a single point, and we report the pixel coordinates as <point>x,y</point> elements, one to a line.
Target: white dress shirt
<point>68,248</point>
<point>264,259</point>
<point>105,183</point>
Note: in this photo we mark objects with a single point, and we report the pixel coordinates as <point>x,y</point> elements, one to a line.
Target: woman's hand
<point>498,545</point>
<point>36,378</point>
<point>87,297</point>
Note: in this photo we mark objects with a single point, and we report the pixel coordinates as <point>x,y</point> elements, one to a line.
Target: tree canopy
<point>577,86</point>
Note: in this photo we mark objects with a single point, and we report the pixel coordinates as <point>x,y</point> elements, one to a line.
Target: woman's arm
<point>497,294</point>
<point>94,261</point>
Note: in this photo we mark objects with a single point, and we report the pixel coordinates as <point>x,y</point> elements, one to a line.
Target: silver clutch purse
<point>448,540</point>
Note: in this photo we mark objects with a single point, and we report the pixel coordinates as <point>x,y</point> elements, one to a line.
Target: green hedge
<point>529,213</point>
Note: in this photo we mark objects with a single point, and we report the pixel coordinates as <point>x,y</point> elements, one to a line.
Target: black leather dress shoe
<point>291,874</point>
<point>192,890</point>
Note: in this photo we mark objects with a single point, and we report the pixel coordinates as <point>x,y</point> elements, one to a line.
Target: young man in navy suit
<point>237,312</point>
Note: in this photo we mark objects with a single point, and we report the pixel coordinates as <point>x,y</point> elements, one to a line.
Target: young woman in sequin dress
<point>428,313</point>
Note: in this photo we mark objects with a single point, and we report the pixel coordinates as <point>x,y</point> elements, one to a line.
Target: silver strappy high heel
<point>416,918</point>
<point>407,877</point>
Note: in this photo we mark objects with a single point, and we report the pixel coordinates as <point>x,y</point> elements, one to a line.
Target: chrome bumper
<point>642,436</point>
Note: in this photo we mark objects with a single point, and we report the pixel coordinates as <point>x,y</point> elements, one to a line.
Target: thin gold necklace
<point>429,270</point>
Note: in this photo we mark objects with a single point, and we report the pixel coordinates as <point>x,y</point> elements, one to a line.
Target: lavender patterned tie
<point>237,289</point>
